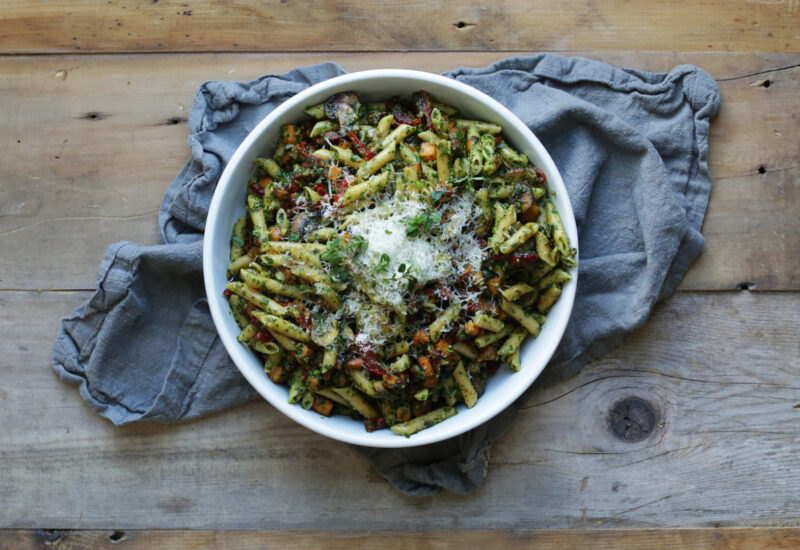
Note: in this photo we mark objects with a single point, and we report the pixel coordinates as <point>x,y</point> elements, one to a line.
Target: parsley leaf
<point>340,274</point>
<point>236,240</point>
<point>332,253</point>
<point>358,245</point>
<point>422,223</point>
<point>383,264</point>
<point>467,180</point>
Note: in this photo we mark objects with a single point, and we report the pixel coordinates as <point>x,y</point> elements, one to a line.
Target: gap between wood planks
<point>654,539</point>
<point>514,52</point>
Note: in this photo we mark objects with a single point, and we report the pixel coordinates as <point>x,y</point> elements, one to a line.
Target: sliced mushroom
<point>517,175</point>
<point>300,223</point>
<point>343,107</point>
<point>530,214</point>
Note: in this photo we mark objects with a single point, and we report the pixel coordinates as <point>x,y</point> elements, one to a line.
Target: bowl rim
<point>309,419</point>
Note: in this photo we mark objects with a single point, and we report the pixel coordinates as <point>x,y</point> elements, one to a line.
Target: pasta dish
<point>393,256</point>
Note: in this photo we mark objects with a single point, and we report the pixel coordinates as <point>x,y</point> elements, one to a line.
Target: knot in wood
<point>632,419</point>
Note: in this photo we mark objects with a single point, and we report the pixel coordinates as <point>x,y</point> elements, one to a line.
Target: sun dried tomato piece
<point>362,149</point>
<point>425,105</point>
<point>372,424</point>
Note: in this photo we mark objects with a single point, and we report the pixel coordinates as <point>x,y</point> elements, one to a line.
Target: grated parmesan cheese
<point>441,255</point>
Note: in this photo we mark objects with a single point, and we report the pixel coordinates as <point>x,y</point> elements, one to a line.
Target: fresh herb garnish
<point>422,223</point>
<point>236,240</point>
<point>332,251</point>
<point>358,245</point>
<point>383,264</point>
<point>340,274</point>
<point>467,180</point>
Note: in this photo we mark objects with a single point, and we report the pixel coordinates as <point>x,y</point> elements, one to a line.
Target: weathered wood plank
<point>370,25</point>
<point>654,539</point>
<point>719,370</point>
<point>92,142</point>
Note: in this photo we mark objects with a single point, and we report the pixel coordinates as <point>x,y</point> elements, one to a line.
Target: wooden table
<point>93,109</point>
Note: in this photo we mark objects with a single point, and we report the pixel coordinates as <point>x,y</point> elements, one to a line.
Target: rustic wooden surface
<point>94,128</point>
<point>375,25</point>
<point>727,419</point>
<point>117,136</point>
<point>677,539</point>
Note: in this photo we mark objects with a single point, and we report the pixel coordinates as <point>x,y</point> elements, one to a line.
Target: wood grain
<point>90,168</point>
<point>371,25</point>
<point>720,370</point>
<point>653,539</point>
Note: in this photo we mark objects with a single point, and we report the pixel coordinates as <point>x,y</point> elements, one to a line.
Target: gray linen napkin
<point>632,147</point>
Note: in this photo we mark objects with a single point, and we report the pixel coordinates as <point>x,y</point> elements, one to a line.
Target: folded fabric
<point>631,146</point>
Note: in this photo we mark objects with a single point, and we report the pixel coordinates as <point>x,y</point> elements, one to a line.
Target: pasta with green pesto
<point>392,257</point>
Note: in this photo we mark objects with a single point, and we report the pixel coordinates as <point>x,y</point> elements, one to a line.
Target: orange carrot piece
<point>275,233</point>
<point>291,133</point>
<point>428,152</point>
<point>403,414</point>
<point>421,336</point>
<point>427,367</point>
<point>355,363</point>
<point>472,329</point>
<point>322,406</point>
<point>333,172</point>
<point>494,285</point>
<point>279,375</point>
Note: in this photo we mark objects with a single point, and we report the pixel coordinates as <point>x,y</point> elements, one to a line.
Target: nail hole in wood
<point>747,285</point>
<point>762,169</point>
<point>175,120</point>
<point>95,115</point>
<point>117,536</point>
<point>461,24</point>
<point>632,419</point>
<point>767,83</point>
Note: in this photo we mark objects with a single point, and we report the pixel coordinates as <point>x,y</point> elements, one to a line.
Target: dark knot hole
<point>632,419</point>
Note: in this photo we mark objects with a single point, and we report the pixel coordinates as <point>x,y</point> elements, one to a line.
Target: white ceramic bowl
<point>228,204</point>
